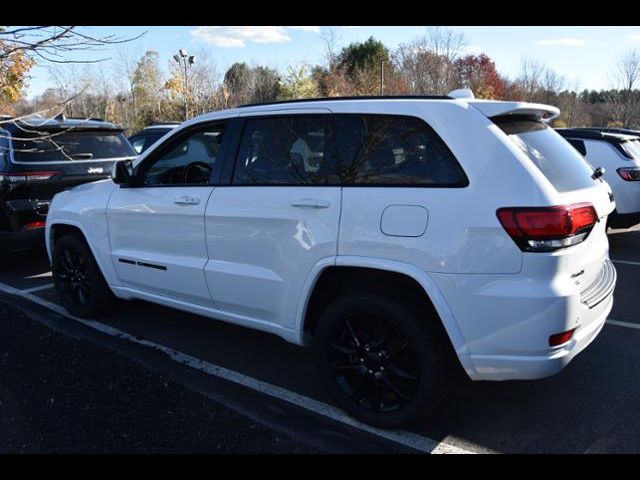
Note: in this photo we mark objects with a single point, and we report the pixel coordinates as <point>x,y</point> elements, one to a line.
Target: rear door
<point>277,219</point>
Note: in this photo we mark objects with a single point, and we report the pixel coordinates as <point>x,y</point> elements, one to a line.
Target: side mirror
<point>122,173</point>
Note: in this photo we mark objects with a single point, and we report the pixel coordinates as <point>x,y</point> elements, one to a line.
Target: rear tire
<point>78,279</point>
<point>380,360</point>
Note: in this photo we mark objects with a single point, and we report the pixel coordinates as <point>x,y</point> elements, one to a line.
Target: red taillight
<point>16,177</point>
<point>544,229</point>
<point>34,225</point>
<point>561,338</point>
<point>630,174</point>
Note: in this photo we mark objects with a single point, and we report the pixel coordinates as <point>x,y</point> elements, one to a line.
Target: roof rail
<point>363,97</point>
<point>93,119</point>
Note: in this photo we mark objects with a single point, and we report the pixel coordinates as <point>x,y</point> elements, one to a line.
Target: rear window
<point>59,147</point>
<point>631,148</point>
<point>562,164</point>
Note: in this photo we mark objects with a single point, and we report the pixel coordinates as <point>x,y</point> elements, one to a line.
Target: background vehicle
<point>623,131</point>
<point>141,141</point>
<point>619,155</point>
<point>41,157</point>
<point>401,237</point>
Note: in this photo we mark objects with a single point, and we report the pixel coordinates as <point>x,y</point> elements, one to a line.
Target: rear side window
<point>291,150</point>
<point>59,146</point>
<point>394,150</point>
<point>562,164</point>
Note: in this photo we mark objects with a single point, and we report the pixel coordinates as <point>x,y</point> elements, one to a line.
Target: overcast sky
<point>584,55</point>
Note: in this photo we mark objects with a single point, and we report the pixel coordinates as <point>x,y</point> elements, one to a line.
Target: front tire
<point>78,279</point>
<point>380,361</point>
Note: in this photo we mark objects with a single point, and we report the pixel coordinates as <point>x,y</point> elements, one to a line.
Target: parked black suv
<point>41,157</point>
<point>142,140</point>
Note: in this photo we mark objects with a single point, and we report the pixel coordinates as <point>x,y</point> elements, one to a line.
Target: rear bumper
<point>530,367</point>
<point>506,321</point>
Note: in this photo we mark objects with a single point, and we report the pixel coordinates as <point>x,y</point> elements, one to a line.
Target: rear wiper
<point>597,173</point>
<point>82,156</point>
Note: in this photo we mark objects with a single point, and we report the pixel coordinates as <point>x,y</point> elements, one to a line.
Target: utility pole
<point>184,60</point>
<point>381,77</point>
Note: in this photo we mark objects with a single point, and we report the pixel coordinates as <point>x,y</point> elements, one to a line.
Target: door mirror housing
<point>122,172</point>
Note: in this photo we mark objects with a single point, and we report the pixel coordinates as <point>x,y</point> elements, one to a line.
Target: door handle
<point>311,203</point>
<point>186,200</point>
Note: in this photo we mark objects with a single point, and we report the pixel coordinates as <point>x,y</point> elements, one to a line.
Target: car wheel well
<point>58,231</point>
<point>336,281</point>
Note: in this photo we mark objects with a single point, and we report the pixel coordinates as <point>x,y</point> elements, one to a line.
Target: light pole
<point>184,60</point>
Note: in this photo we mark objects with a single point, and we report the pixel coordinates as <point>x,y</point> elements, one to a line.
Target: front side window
<point>189,161</point>
<point>394,150</point>
<point>291,150</point>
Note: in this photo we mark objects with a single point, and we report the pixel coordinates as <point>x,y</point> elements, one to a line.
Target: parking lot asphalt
<point>592,406</point>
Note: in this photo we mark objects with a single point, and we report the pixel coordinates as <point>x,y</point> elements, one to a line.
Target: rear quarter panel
<point>463,234</point>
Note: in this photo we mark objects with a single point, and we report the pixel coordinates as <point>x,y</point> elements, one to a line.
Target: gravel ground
<point>60,395</point>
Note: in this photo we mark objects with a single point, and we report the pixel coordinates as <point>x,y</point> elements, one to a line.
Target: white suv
<point>401,237</point>
<point>618,155</point>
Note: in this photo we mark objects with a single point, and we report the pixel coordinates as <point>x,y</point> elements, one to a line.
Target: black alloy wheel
<point>373,363</point>
<point>78,279</point>
<point>382,359</point>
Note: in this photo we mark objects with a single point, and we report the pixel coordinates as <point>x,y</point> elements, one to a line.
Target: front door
<point>157,225</point>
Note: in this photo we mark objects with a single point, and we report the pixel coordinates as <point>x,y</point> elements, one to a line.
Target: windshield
<point>562,164</point>
<point>59,147</point>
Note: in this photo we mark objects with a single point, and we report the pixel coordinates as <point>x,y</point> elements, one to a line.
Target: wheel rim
<point>72,277</point>
<point>374,363</point>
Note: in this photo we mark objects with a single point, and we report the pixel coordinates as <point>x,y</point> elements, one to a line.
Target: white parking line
<point>618,323</point>
<point>402,437</point>
<point>626,262</point>
<point>38,289</point>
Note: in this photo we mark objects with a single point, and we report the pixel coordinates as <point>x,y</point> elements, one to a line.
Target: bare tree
<point>204,83</point>
<point>538,83</point>
<point>624,102</point>
<point>427,61</point>
<point>330,37</point>
<point>54,43</point>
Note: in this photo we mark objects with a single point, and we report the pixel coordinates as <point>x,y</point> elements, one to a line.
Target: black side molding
<point>143,264</point>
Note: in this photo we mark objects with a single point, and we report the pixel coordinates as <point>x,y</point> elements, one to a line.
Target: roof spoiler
<point>494,108</point>
<point>546,113</point>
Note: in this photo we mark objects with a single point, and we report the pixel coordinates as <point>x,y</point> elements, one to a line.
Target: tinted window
<point>562,164</point>
<point>58,146</point>
<point>579,145</point>
<point>137,141</point>
<point>295,150</point>
<point>153,137</point>
<point>394,150</point>
<point>143,140</point>
<point>631,148</point>
<point>190,161</point>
